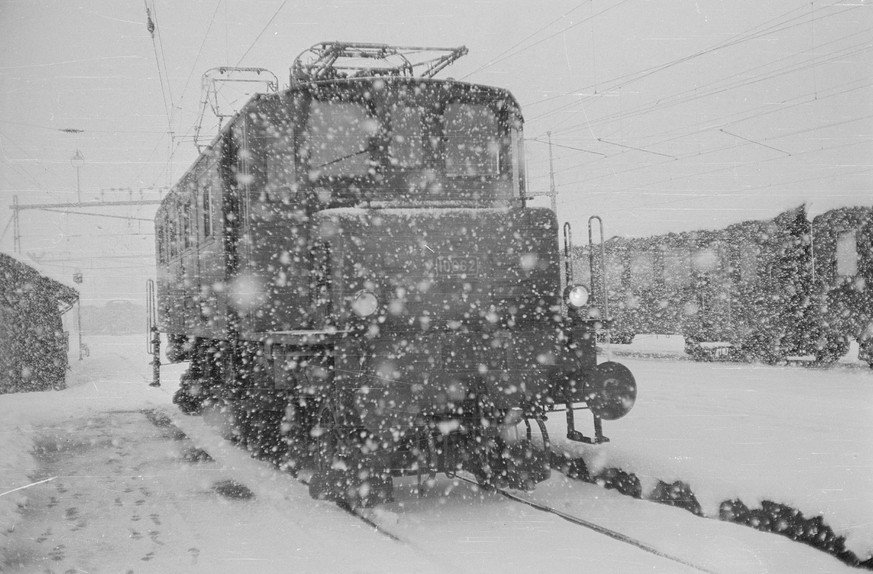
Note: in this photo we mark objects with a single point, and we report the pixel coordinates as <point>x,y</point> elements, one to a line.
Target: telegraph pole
<point>77,279</point>
<point>77,161</point>
<point>16,230</point>
<point>552,191</point>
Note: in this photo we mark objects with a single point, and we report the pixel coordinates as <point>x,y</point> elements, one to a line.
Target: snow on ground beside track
<point>116,377</point>
<point>281,530</point>
<point>793,435</point>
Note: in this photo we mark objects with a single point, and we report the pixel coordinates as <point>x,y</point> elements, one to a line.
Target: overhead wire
<point>747,35</point>
<point>690,94</point>
<point>728,165</point>
<point>538,42</point>
<point>696,93</point>
<point>188,133</point>
<point>816,60</point>
<point>178,140</point>
<point>152,27</point>
<point>525,39</point>
<point>261,33</point>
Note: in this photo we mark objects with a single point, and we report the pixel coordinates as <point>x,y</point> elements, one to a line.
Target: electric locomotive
<point>355,277</point>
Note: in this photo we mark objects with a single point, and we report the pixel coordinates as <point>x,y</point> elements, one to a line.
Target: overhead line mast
<point>18,207</point>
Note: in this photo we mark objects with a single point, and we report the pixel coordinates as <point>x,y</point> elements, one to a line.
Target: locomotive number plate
<point>452,266</point>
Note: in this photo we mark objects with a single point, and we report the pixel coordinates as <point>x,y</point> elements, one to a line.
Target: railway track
<point>614,534</point>
<point>573,469</point>
<point>366,516</point>
<point>375,519</point>
<point>371,519</point>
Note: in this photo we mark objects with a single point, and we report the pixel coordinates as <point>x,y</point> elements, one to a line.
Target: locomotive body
<point>355,277</point>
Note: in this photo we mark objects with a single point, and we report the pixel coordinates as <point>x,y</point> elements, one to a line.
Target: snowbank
<point>792,435</point>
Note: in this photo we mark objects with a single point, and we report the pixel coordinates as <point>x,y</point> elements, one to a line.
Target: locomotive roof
<point>256,100</point>
<point>450,84</point>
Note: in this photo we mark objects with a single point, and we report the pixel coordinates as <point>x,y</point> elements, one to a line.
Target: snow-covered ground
<point>787,434</point>
<point>793,435</point>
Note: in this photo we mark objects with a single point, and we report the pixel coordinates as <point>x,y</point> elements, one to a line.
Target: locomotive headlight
<point>576,296</point>
<point>365,303</point>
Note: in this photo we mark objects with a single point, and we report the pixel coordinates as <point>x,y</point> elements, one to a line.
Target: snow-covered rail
<point>614,534</point>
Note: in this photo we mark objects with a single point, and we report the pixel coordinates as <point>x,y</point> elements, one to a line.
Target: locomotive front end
<point>445,286</point>
<point>447,307</point>
<point>455,334</point>
<point>403,308</point>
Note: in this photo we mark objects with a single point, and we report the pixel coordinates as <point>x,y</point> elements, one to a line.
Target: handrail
<point>605,306</point>
<point>568,242</point>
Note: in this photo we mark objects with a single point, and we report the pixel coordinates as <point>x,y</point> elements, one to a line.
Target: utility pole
<point>77,161</point>
<point>553,194</point>
<point>77,279</point>
<point>16,229</point>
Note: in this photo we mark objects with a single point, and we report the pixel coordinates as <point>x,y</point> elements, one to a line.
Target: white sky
<point>693,114</point>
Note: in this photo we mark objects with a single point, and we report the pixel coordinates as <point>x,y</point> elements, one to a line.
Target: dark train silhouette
<point>762,290</point>
<point>355,277</point>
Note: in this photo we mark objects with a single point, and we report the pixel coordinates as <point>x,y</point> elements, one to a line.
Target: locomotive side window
<point>172,227</point>
<point>406,147</point>
<point>517,153</point>
<point>847,254</point>
<point>206,207</point>
<point>240,161</point>
<point>161,239</point>
<point>472,144</point>
<point>186,224</point>
<point>337,141</point>
<point>280,170</point>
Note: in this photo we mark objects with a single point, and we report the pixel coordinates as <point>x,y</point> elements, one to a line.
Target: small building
<point>33,344</point>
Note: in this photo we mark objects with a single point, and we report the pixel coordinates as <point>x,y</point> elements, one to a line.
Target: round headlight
<point>577,296</point>
<point>365,303</point>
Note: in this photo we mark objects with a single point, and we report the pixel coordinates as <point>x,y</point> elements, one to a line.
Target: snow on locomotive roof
<point>506,98</point>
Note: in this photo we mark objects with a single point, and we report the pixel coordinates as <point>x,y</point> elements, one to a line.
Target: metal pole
<point>154,343</point>
<point>16,226</point>
<point>156,358</point>
<point>552,192</point>
<point>77,161</point>
<point>79,321</point>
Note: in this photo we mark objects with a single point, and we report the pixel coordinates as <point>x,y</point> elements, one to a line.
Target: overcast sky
<point>664,116</point>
